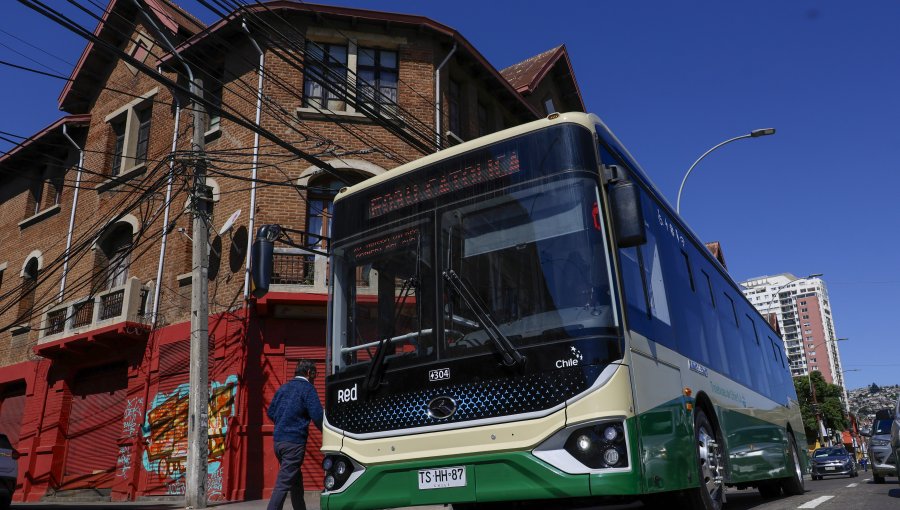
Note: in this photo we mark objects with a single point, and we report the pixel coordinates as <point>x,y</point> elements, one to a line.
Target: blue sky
<point>672,79</point>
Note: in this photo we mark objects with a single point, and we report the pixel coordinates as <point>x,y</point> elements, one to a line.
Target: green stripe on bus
<point>506,476</point>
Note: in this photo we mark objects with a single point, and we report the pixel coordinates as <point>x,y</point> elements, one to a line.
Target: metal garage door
<point>95,425</point>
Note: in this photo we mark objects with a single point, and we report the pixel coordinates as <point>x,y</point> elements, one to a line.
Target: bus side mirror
<point>628,219</point>
<point>262,258</point>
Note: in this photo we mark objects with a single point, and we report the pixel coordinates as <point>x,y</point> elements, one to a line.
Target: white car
<point>9,471</point>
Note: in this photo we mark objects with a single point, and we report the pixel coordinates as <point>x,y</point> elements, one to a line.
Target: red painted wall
<point>250,357</point>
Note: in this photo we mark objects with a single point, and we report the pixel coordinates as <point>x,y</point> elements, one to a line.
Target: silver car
<point>881,456</point>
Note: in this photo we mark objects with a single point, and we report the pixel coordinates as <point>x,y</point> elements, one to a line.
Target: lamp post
<point>756,133</point>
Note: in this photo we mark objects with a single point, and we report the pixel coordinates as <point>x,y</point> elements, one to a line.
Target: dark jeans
<point>290,479</point>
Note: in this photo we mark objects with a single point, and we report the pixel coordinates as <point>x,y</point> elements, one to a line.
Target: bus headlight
<point>340,471</point>
<point>583,443</point>
<point>587,448</point>
<point>611,456</point>
<point>610,433</point>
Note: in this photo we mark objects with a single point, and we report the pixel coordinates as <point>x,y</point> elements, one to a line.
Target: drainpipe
<point>165,233</point>
<point>65,270</point>
<point>437,96</point>
<point>252,221</point>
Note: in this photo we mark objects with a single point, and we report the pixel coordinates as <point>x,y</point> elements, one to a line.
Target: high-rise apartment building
<point>803,313</point>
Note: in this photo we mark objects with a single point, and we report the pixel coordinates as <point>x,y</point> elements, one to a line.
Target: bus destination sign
<point>385,244</point>
<point>410,193</point>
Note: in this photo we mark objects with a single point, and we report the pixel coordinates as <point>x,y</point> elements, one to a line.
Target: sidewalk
<point>312,503</point>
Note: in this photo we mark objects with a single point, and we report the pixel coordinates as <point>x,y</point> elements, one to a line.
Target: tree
<point>827,400</point>
<point>874,388</point>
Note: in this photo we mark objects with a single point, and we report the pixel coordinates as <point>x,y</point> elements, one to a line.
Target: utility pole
<point>198,397</point>
<point>198,400</point>
<point>815,405</point>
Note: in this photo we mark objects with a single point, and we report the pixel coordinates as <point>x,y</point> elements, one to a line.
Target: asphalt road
<point>860,493</point>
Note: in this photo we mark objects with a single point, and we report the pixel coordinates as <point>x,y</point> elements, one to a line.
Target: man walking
<point>295,404</point>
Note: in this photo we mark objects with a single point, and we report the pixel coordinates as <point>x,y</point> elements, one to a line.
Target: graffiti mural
<point>123,462</point>
<point>165,433</point>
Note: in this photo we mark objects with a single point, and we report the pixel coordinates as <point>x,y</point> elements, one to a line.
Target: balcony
<point>125,303</point>
<point>298,270</point>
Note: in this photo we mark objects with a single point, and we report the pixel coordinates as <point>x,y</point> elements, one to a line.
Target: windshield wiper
<point>511,356</point>
<point>376,367</point>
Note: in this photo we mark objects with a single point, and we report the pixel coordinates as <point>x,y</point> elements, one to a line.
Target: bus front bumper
<point>516,476</point>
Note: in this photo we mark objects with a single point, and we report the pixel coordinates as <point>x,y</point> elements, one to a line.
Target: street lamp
<point>756,133</point>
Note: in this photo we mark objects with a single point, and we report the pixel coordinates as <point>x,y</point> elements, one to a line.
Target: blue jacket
<point>295,405</point>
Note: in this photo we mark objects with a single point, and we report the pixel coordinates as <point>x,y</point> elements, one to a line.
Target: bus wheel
<point>793,485</point>
<point>711,493</point>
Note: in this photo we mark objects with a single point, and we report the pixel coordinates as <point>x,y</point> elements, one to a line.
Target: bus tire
<point>794,484</point>
<point>710,495</point>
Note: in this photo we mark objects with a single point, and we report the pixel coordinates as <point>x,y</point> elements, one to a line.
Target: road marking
<point>816,502</point>
<point>853,485</point>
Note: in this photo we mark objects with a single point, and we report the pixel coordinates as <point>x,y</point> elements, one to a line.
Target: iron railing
<point>127,302</point>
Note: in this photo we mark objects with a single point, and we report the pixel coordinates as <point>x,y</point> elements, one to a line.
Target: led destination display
<point>410,193</point>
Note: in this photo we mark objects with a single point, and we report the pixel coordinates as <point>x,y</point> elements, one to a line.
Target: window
<point>29,285</point>
<point>143,135</point>
<point>128,144</point>
<point>37,195</point>
<point>214,87</point>
<point>453,104</point>
<point>325,83</point>
<point>114,256</point>
<point>712,296</point>
<point>733,309</point>
<point>690,274</point>
<point>376,79</point>
<point>118,136</point>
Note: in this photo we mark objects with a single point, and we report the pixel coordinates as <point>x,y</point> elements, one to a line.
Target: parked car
<point>881,455</point>
<point>9,471</point>
<point>831,461</point>
<point>895,438</point>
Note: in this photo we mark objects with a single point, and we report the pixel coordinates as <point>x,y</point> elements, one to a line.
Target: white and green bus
<point>523,318</point>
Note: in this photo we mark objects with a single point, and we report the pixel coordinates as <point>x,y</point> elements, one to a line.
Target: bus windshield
<point>531,257</point>
<point>534,259</point>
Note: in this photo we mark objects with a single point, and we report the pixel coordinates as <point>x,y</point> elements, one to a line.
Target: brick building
<point>95,222</point>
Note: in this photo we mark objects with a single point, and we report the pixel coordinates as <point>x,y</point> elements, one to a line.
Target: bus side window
<point>737,360</point>
<point>687,304</point>
<point>712,334</point>
<point>760,364</point>
<point>635,295</point>
<point>653,266</point>
<point>781,378</point>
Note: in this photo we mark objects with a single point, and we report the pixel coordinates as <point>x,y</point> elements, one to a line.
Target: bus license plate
<point>442,478</point>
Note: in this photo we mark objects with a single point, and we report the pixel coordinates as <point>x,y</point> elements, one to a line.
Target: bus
<point>523,319</point>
